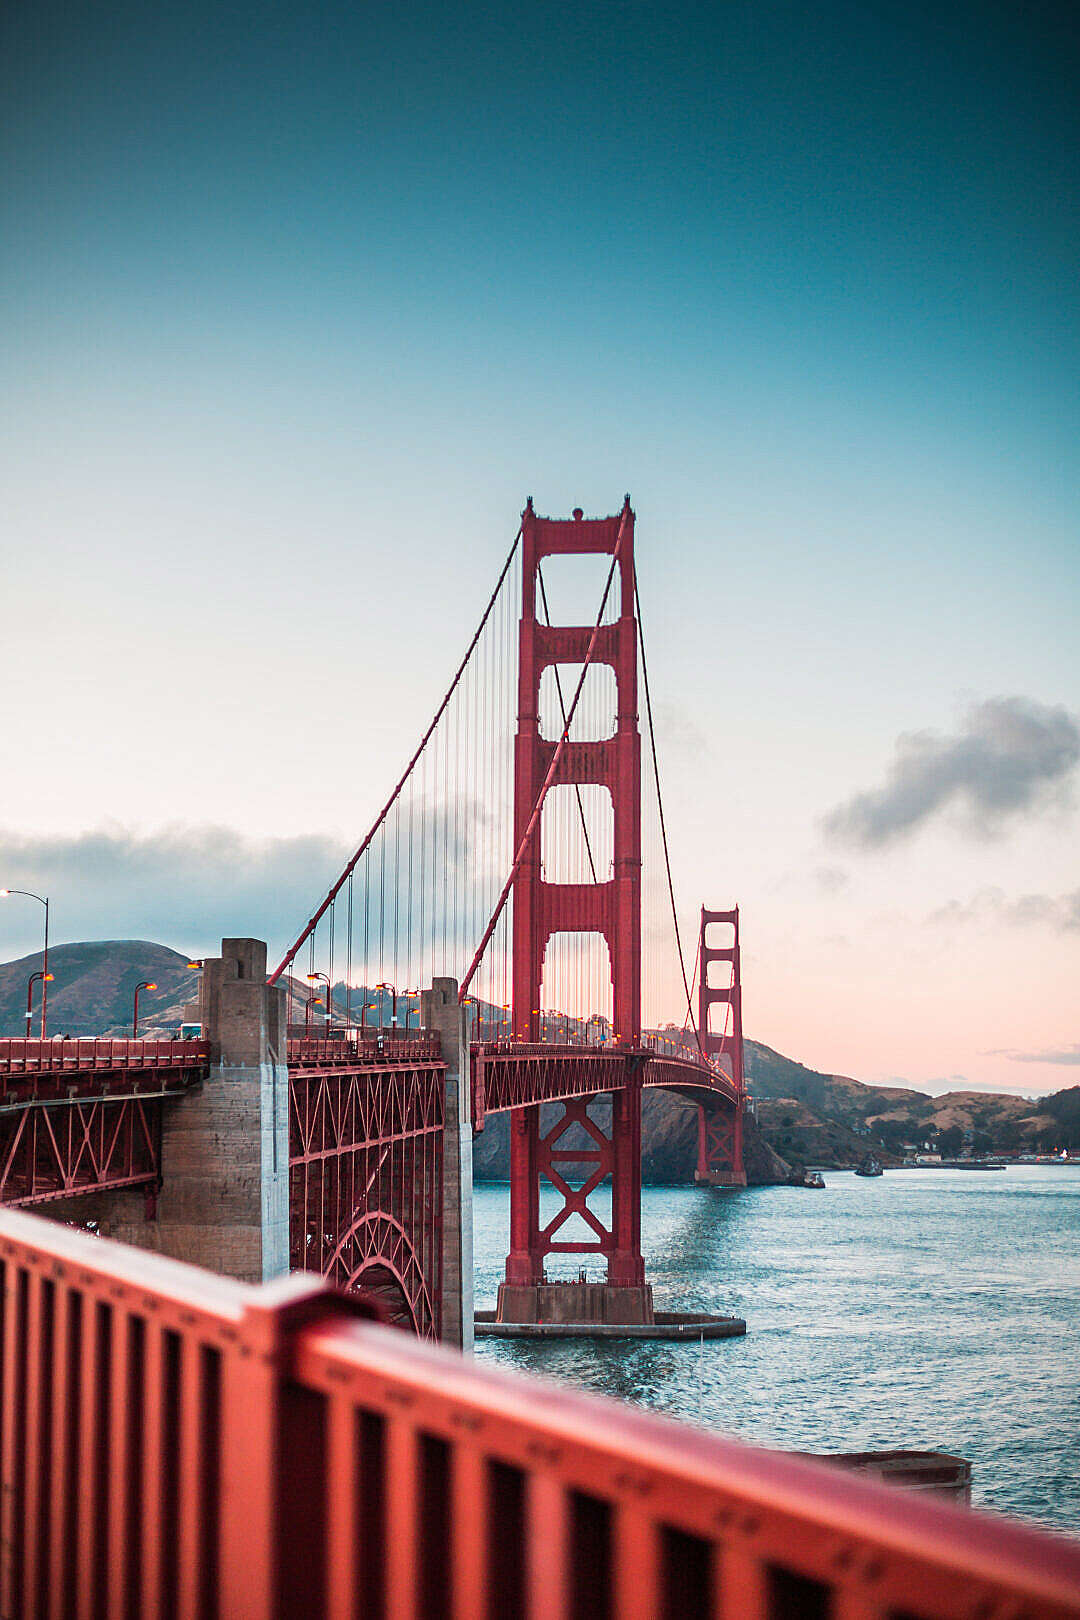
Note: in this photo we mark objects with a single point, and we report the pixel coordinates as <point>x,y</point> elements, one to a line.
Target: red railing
<point>175,1445</point>
<point>362,1051</point>
<point>31,1059</point>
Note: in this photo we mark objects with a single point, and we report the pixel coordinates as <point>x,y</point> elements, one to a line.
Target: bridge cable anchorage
<point>663,824</point>
<point>313,921</point>
<point>552,769</point>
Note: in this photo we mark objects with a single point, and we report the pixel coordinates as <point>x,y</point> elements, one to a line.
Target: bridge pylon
<point>610,907</point>
<point>720,1128</point>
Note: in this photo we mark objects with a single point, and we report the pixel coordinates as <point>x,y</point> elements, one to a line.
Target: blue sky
<point>302,304</point>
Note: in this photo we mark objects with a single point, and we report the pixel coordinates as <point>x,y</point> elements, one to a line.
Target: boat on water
<point>813,1178</point>
<point>869,1167</point>
<point>973,1164</point>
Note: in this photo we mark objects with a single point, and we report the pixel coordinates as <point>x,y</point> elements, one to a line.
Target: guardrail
<point>370,1051</point>
<point>21,1056</point>
<point>174,1444</point>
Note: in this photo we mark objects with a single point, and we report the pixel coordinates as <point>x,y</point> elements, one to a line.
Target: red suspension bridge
<point>505,939</point>
<point>522,854</point>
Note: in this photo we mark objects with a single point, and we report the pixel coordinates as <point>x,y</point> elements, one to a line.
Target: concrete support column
<point>224,1199</point>
<point>441,1012</point>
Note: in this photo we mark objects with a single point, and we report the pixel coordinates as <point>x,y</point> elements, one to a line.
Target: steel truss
<point>365,1174</point>
<point>86,1145</point>
<point>512,1074</point>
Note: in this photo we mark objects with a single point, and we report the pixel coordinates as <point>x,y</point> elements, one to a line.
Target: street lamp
<point>30,983</point>
<point>312,979</point>
<point>43,900</point>
<point>143,984</point>
<point>474,1001</point>
<point>393,1004</point>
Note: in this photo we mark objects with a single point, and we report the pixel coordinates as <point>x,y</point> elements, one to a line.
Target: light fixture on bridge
<point>313,978</point>
<point>143,984</point>
<point>45,978</point>
<point>43,900</point>
<point>386,985</point>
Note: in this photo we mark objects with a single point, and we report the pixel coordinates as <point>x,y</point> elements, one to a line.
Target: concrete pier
<point>224,1201</point>
<point>441,1012</point>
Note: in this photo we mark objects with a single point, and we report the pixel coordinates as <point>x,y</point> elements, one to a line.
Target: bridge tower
<point>720,1129</point>
<point>610,908</point>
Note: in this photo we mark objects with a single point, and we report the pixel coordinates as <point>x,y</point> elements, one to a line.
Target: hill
<point>93,988</point>
<point>831,1119</point>
<point>804,1117</point>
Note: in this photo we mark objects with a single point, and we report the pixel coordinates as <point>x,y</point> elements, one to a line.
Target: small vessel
<point>813,1178</point>
<point>973,1164</point>
<point>869,1167</point>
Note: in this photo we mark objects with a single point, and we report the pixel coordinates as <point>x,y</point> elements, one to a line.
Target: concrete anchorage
<point>224,1199</point>
<point>441,1013</point>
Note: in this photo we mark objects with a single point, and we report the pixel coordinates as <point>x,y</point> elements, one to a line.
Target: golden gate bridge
<point>515,897</point>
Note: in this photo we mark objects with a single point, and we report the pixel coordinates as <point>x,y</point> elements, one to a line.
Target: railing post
<point>441,1011</point>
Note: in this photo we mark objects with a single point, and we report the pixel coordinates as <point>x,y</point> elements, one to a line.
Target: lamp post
<point>143,984</point>
<point>313,978</point>
<point>393,1005</point>
<point>46,976</point>
<point>30,983</point>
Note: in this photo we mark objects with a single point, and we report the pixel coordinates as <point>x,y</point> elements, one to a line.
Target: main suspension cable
<point>314,920</point>
<point>663,825</point>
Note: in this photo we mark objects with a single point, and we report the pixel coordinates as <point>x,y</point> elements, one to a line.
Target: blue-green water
<point>936,1309</point>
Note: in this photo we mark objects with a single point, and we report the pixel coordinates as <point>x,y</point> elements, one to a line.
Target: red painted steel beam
<point>82,1147</point>
<point>365,1176</point>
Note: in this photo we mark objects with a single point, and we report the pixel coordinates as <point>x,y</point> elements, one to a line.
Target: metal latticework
<point>365,1174</point>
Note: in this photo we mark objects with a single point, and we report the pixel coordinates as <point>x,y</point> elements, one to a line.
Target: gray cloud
<point>678,733</point>
<point>1069,1056</point>
<point>1009,755</point>
<point>189,886</point>
<point>1060,912</point>
<point>831,879</point>
<point>183,885</point>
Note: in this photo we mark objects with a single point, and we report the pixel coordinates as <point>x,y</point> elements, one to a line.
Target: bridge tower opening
<point>720,1128</point>
<point>610,906</point>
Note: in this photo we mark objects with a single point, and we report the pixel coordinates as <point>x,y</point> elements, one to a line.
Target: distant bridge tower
<point>720,1129</point>
<point>611,908</point>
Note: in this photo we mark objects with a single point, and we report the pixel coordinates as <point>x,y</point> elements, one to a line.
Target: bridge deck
<point>516,1074</point>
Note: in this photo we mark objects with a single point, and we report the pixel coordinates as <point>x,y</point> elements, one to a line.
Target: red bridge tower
<point>610,907</point>
<point>720,1128</point>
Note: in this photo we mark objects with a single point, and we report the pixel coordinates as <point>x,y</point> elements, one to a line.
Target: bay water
<point>927,1309</point>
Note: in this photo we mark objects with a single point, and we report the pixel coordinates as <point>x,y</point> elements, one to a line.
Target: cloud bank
<point>190,886</point>
<point>1010,755</point>
<point>186,886</point>
<point>1068,1056</point>
<point>1060,912</point>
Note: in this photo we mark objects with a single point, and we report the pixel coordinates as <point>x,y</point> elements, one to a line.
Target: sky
<point>302,303</point>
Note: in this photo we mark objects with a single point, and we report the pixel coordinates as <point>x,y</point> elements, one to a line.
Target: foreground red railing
<point>172,1444</point>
